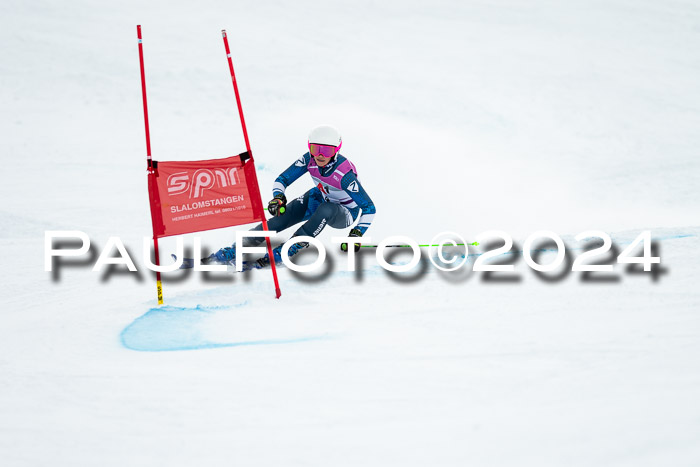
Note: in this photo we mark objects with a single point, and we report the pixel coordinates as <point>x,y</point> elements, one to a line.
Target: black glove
<point>353,233</point>
<point>278,205</point>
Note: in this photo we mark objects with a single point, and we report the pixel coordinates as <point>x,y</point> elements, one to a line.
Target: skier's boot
<point>226,255</point>
<point>277,253</point>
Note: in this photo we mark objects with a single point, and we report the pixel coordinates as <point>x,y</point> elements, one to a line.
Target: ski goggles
<point>323,150</point>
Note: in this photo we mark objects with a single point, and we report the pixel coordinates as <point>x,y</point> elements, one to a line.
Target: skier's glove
<point>278,205</point>
<point>353,233</point>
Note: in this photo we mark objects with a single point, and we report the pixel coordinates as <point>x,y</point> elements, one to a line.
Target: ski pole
<point>409,246</point>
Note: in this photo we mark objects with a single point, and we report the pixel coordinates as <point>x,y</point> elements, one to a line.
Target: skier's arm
<point>289,176</point>
<point>352,187</point>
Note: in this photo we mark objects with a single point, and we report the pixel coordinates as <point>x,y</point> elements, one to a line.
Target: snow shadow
<point>171,328</point>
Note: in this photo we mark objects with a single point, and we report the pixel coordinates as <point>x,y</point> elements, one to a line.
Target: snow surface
<point>461,116</point>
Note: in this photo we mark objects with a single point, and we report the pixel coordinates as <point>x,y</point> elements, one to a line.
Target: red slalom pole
<point>151,169</point>
<point>278,292</point>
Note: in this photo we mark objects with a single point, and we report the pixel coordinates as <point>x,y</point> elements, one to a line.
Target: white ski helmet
<point>327,135</point>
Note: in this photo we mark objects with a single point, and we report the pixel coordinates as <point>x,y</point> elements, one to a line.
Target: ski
<point>188,263</point>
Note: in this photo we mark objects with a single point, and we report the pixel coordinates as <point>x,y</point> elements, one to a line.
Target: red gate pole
<point>255,176</point>
<point>151,169</point>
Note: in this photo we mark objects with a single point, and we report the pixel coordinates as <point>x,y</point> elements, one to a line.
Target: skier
<point>336,200</point>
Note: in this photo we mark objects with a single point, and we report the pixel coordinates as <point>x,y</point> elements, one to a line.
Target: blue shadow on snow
<point>170,328</point>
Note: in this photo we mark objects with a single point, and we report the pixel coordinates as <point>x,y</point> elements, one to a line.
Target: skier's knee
<point>325,210</point>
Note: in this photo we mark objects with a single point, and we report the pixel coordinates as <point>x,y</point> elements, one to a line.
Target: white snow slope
<point>460,116</point>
